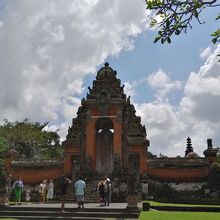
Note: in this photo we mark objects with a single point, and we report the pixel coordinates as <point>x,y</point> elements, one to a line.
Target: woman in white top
<point>43,191</point>
<point>50,190</point>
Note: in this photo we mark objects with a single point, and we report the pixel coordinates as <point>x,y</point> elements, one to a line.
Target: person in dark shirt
<point>107,191</point>
<point>101,190</point>
<point>64,182</point>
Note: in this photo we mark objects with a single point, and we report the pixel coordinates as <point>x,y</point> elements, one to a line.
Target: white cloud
<point>205,53</point>
<point>130,88</point>
<point>162,84</point>
<point>47,47</point>
<point>196,116</point>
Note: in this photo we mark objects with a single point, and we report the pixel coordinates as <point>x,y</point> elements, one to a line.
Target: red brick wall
<point>175,174</point>
<point>33,175</point>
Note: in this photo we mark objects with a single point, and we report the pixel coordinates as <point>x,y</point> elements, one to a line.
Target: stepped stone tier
<point>106,137</point>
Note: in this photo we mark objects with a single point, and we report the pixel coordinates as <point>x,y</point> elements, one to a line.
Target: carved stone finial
<point>209,143</point>
<point>106,64</point>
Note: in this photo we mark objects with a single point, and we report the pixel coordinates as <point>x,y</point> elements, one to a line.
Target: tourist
<point>50,190</point>
<point>18,187</point>
<point>64,182</point>
<point>27,196</point>
<point>101,189</point>
<point>107,191</point>
<point>8,187</point>
<point>80,186</point>
<point>43,191</point>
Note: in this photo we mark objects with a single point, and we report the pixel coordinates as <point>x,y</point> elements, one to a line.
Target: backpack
<point>101,187</point>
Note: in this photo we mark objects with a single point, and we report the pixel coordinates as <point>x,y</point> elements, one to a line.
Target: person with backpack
<point>101,189</point>
<point>18,187</point>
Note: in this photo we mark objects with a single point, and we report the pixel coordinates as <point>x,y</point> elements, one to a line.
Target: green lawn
<point>7,218</point>
<point>153,203</point>
<point>163,215</point>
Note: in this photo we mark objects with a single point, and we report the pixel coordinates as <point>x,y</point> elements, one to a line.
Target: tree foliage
<point>172,17</point>
<point>3,149</point>
<point>30,139</point>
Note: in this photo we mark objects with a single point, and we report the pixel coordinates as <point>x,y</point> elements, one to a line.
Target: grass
<point>8,218</point>
<point>153,203</point>
<point>163,215</point>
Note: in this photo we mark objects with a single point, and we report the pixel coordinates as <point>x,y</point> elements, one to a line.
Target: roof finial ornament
<point>106,64</point>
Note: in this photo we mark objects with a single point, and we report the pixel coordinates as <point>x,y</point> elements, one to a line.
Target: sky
<point>50,52</point>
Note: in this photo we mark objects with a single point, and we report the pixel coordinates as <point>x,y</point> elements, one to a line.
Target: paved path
<point>74,205</point>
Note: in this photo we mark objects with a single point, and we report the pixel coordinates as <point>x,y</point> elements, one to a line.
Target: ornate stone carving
<point>88,167</point>
<point>117,166</point>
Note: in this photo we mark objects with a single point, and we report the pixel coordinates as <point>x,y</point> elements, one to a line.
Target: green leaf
<point>169,40</point>
<point>157,38</point>
<point>177,32</point>
<point>167,24</point>
<point>153,22</point>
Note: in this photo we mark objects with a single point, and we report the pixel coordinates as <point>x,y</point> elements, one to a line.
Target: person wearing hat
<point>43,191</point>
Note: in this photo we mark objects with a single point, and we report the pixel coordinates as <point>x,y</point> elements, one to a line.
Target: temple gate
<point>106,137</point>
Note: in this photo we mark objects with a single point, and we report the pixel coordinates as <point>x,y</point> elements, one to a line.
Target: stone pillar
<point>132,197</point>
<point>117,137</point>
<point>91,142</point>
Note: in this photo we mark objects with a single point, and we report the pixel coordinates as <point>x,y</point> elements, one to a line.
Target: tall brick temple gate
<point>106,137</point>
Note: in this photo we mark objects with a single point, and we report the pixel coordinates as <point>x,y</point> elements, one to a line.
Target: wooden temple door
<point>104,152</point>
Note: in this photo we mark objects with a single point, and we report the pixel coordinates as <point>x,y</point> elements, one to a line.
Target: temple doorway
<point>104,147</point>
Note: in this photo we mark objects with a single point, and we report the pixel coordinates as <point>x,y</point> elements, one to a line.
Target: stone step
<point>8,214</point>
<point>70,213</point>
<point>50,218</point>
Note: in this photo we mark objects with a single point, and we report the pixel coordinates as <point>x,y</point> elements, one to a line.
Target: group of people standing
<point>46,190</point>
<point>104,190</point>
<point>16,187</point>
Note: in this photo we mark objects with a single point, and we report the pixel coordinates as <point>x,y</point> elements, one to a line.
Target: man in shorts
<point>80,186</point>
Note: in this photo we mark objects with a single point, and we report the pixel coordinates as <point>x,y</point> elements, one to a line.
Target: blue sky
<point>51,51</point>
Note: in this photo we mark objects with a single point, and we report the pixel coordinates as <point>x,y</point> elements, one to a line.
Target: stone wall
<point>34,171</point>
<point>178,169</point>
<point>182,187</point>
